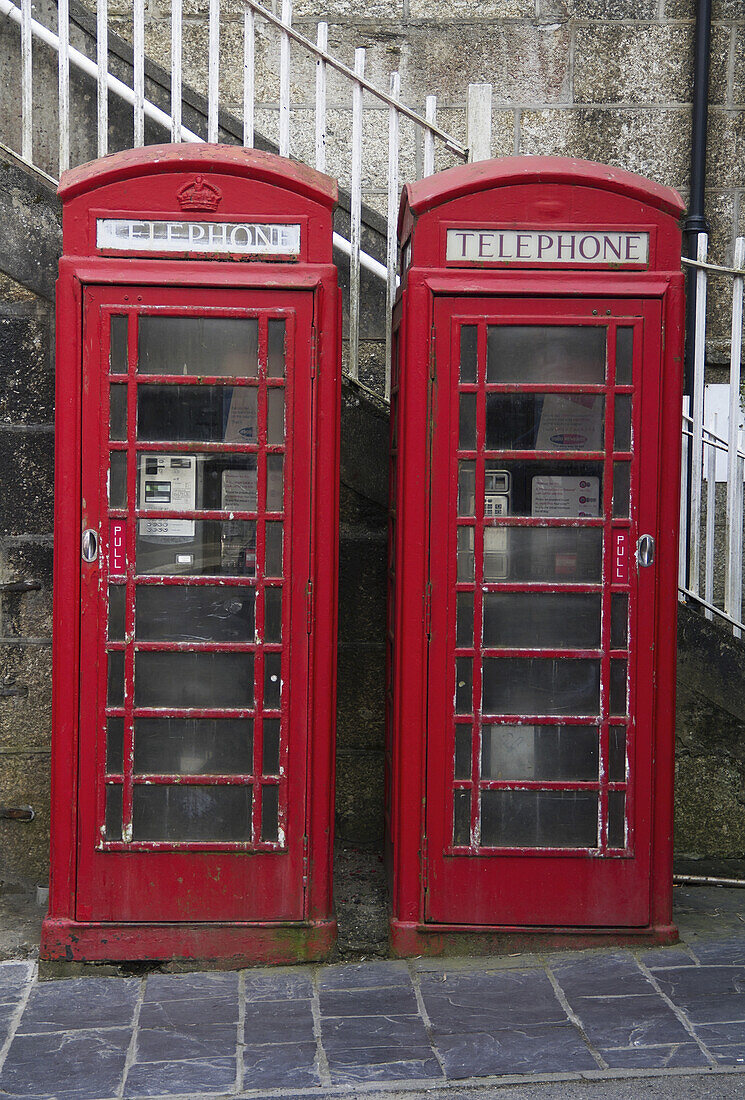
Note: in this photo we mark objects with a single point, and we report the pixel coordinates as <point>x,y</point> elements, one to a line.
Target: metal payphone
<point>197,460</point>
<point>534,511</point>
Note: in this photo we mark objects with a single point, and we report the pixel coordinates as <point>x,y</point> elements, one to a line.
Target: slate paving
<point>318,1030</point>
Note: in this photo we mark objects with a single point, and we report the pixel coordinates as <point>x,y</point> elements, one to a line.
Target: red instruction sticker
<point>621,557</point>
<point>117,545</point>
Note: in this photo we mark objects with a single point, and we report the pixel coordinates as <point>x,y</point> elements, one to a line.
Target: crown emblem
<point>199,194</point>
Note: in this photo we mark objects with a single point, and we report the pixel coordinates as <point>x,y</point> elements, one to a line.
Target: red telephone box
<point>535,499</point>
<point>195,559</point>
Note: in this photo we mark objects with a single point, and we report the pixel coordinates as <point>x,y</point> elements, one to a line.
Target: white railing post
<point>736,556</point>
<point>102,61</point>
<point>27,110</point>
<point>213,71</point>
<point>356,218</point>
<point>63,83</point>
<point>683,544</point>
<point>284,81</point>
<point>249,77</point>
<point>392,226</point>
<point>322,41</point>
<point>697,414</point>
<point>711,489</point>
<point>733,582</point>
<point>176,54</point>
<point>430,113</point>
<point>478,121</point>
<point>139,73</point>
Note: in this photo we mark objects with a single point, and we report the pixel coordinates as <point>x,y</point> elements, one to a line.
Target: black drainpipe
<point>695,222</point>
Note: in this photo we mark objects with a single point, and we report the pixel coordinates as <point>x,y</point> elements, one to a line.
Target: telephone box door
<point>196,476</point>
<point>544,454</point>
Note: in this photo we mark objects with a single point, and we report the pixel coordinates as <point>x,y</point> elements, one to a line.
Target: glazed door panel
<point>544,456</point>
<point>196,474</point>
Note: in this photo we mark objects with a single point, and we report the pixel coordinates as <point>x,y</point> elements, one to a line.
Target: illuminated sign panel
<point>230,238</point>
<point>551,246</point>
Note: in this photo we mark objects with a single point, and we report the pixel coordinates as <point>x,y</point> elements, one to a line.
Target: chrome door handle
<point>645,550</point>
<point>89,548</point>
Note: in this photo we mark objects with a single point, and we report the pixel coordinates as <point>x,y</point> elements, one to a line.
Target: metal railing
<point>478,113</point>
<point>713,579</point>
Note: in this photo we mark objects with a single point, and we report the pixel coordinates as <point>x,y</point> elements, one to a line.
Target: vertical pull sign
<point>645,550</point>
<point>90,545</point>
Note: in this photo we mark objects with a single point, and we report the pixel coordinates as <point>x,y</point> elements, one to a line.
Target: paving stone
<point>376,975</point>
<point>189,1013</point>
<point>542,1049</point>
<point>694,982</point>
<point>14,977</point>
<point>678,1056</point>
<point>712,1010</point>
<point>356,1033</point>
<point>395,1001</point>
<point>162,1044</point>
<point>171,987</point>
<point>725,1031</point>
<point>729,951</point>
<point>278,985</point>
<point>198,1075</point>
<point>79,1003</point>
<point>291,1065</point>
<point>382,1064</point>
<point>661,957</point>
<point>629,1021</point>
<point>729,1055</point>
<point>279,1022</point>
<point>491,1001</point>
<point>78,1065</point>
<point>600,976</point>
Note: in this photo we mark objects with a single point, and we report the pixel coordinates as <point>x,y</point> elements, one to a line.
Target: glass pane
<point>465,553</point>
<point>114,744</point>
<point>216,548</point>
<point>118,336</point>
<point>617,754</point>
<point>193,746</point>
<point>269,813</point>
<point>497,485</point>
<point>466,488</point>
<point>539,819</point>
<point>274,491</point>
<point>467,436</point>
<point>544,422</point>
<point>117,600</point>
<point>464,620</point>
<point>540,353</point>
<point>114,812</point>
<point>272,614</point>
<point>539,752</point>
<point>462,814</point>
<point>271,747</point>
<point>528,620</point>
<point>619,614</point>
<point>272,680</point>
<point>276,350</point>
<point>554,554</point>
<point>616,822</point>
<point>194,613</point>
<point>618,687</point>
<point>541,685</point>
<point>117,412</point>
<point>194,679</point>
<point>115,688</point>
<point>199,345</point>
<point>187,481</point>
<point>273,567</point>
<point>468,344</point>
<point>118,479</point>
<point>462,752</point>
<point>622,425</point>
<point>463,685</point>
<point>164,812</point>
<point>624,353</point>
<point>209,414</point>
<point>621,488</point>
<point>275,415</point>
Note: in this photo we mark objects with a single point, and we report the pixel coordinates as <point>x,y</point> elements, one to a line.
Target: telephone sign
<point>194,673</point>
<point>536,443</point>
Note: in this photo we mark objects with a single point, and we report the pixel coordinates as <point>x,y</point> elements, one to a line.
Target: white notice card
<point>572,422</point>
<point>566,496</point>
<point>239,490</point>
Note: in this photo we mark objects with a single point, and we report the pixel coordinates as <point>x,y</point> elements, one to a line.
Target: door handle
<point>645,550</point>
<point>89,548</point>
